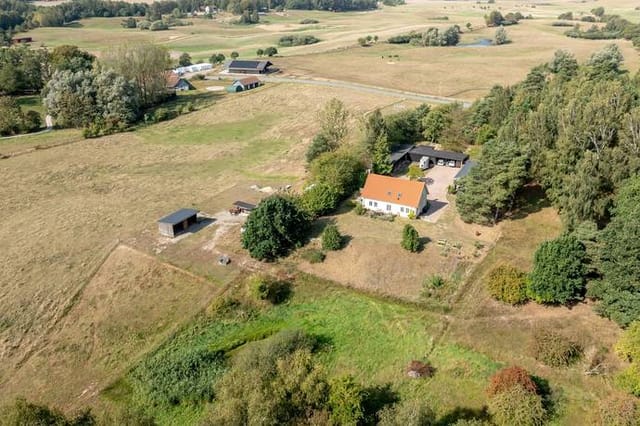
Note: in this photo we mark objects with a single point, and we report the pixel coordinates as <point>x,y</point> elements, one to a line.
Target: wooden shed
<point>177,222</point>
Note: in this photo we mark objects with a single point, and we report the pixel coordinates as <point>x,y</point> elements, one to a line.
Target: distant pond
<point>483,42</point>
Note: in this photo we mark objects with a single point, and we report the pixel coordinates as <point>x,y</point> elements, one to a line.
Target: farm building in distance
<point>249,67</point>
<point>21,40</point>
<point>243,84</point>
<point>386,194</point>
<point>427,156</point>
<point>177,222</point>
<point>176,83</point>
<point>193,68</point>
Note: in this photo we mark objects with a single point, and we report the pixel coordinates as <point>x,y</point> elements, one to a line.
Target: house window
<point>375,204</point>
<point>370,203</point>
<point>388,207</point>
<point>401,209</point>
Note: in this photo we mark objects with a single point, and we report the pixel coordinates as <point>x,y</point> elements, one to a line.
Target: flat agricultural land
<point>460,72</point>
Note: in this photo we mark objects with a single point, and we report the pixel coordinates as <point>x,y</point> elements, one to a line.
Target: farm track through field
<point>368,89</point>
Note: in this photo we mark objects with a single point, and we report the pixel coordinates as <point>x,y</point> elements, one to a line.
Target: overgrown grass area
<point>374,339</point>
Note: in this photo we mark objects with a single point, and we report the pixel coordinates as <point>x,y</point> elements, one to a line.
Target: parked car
<point>451,163</point>
<point>440,162</point>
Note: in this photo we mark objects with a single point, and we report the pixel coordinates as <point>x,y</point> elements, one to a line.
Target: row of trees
<point>431,37</point>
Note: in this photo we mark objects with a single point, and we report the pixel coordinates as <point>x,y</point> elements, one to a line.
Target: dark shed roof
<point>244,205</point>
<point>465,169</point>
<point>428,151</point>
<point>249,65</point>
<point>178,216</point>
<point>399,153</point>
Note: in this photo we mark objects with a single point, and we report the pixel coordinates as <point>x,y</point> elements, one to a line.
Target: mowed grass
<point>373,339</point>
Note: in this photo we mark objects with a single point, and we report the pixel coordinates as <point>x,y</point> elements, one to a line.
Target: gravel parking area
<point>442,177</point>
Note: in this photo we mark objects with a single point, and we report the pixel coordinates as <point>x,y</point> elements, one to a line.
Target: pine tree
<point>381,154</point>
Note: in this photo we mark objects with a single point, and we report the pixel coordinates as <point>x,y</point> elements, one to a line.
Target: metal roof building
<point>177,222</point>
<point>249,67</point>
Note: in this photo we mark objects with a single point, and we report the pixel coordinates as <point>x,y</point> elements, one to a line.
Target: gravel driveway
<point>442,177</point>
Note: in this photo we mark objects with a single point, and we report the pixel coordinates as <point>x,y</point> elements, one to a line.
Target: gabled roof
<point>244,205</point>
<point>178,216</point>
<point>393,190</point>
<point>248,80</point>
<point>249,65</point>
<point>172,79</point>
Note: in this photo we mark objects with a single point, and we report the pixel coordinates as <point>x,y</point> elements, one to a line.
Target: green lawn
<point>373,339</point>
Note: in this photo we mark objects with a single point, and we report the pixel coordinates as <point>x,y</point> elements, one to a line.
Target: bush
<point>309,21</point>
<point>270,51</point>
<point>517,406</point>
<point>617,410</point>
<point>410,239</point>
<point>554,349</point>
<point>407,413</point>
<point>507,284</point>
<point>32,121</point>
<point>359,209</point>
<point>331,238</point>
<point>345,400</point>
<point>319,200</point>
<point>511,377</point>
<point>558,271</point>
<point>158,26</point>
<point>264,287</point>
<point>313,256</point>
<point>297,40</point>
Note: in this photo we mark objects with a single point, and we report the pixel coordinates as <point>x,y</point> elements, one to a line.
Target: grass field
<point>462,72</point>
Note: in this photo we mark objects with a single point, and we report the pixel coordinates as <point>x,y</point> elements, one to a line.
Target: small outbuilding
<point>243,84</point>
<point>177,222</point>
<point>177,84</point>
<point>249,67</point>
<point>242,207</point>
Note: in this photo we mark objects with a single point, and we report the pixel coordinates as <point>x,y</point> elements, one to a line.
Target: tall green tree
<point>274,228</point>
<point>333,122</point>
<point>145,64</point>
<point>381,156</point>
<point>558,274</point>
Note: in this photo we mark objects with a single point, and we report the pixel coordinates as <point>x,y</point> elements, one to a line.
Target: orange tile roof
<point>393,190</point>
<point>172,79</point>
<point>249,80</point>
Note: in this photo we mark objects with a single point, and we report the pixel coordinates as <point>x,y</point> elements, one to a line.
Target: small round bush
<point>553,348</point>
<point>313,256</point>
<point>517,406</point>
<point>510,377</point>
<point>331,238</point>
<point>507,284</point>
<point>617,410</point>
<point>410,239</point>
<point>264,287</point>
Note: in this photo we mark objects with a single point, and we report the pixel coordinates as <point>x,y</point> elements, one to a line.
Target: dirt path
<point>376,90</point>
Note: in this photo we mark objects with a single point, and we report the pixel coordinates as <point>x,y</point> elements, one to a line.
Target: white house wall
<point>391,208</point>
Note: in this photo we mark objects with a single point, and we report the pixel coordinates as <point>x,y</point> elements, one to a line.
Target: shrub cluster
<point>514,399</point>
<point>553,348</point>
<point>507,284</point>
<point>297,40</point>
<point>264,287</point>
<point>331,238</point>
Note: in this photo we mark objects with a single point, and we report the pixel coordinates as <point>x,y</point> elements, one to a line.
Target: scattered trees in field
<point>217,58</point>
<point>431,37</point>
<point>410,239</point>
<point>558,274</point>
<point>297,40</point>
<point>501,36</point>
<point>554,349</point>
<point>184,60</point>
<point>234,55</point>
<point>271,51</point>
<point>274,228</point>
<point>495,19</point>
<point>331,238</point>
<point>507,284</point>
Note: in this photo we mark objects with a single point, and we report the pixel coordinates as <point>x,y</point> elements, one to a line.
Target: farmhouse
<point>395,196</point>
<point>176,83</point>
<point>249,67</point>
<point>243,84</point>
<point>427,155</point>
<point>177,222</point>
